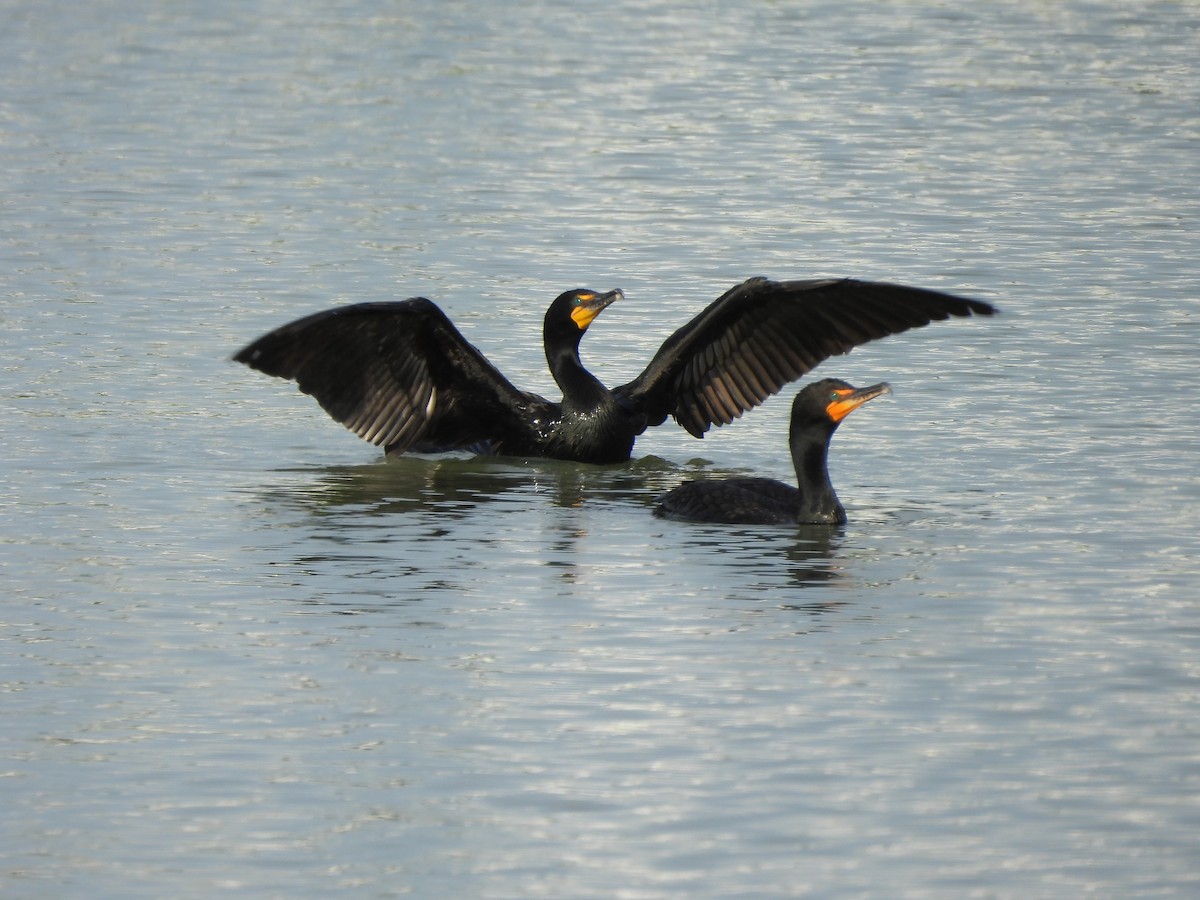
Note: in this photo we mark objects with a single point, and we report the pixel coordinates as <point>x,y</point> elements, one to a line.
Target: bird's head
<point>831,400</point>
<point>573,312</point>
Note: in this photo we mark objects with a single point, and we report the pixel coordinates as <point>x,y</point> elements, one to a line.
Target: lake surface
<point>244,655</point>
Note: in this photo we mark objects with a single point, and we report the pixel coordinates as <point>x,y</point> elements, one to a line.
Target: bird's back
<point>734,501</point>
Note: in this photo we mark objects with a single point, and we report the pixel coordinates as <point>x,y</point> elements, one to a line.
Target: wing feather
<point>761,335</point>
<point>395,374</point>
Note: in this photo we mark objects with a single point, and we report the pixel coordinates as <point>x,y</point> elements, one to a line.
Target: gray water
<point>243,655</point>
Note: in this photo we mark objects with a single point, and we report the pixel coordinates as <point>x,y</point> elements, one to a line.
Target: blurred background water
<point>242,654</point>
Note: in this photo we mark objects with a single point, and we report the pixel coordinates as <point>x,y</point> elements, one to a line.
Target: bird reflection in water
<point>368,538</point>
<point>453,486</point>
<point>800,556</point>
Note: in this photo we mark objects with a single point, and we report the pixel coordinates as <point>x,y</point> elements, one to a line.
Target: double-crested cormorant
<point>816,413</point>
<point>400,375</point>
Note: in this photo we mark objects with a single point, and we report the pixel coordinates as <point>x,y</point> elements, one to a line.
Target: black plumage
<point>400,375</point>
<point>816,413</point>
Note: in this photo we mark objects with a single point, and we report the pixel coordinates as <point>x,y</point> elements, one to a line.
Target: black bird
<point>400,375</point>
<point>816,413</point>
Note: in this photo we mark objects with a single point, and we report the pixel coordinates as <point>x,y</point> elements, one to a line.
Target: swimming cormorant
<point>816,413</point>
<point>400,375</point>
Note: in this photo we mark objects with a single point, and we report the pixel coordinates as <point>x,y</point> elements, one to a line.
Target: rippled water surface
<point>242,654</point>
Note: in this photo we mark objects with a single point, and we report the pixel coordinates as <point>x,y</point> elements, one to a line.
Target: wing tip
<point>246,356</point>
<point>968,306</point>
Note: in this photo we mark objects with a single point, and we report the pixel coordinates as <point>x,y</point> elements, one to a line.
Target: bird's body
<point>400,375</point>
<point>816,413</point>
<point>733,501</point>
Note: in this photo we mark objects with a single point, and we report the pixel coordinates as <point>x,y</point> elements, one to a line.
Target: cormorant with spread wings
<point>400,375</point>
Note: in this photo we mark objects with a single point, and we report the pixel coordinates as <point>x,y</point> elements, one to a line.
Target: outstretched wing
<point>764,334</point>
<point>397,374</point>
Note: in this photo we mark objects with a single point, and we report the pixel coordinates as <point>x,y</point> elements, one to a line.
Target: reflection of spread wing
<point>397,374</point>
<point>762,334</point>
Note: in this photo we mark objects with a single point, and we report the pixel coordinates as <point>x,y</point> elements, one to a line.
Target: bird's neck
<point>582,391</point>
<point>810,456</point>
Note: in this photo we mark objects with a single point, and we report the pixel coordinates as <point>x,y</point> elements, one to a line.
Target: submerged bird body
<point>816,413</point>
<point>400,375</point>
